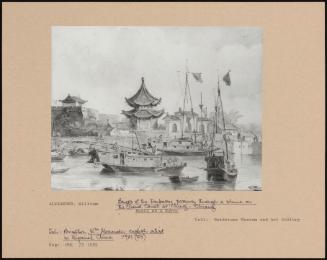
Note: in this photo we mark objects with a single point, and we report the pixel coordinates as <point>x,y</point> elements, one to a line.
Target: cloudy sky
<point>105,64</point>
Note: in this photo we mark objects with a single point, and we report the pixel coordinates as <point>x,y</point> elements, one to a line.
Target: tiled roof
<point>143,98</point>
<point>186,113</point>
<point>79,100</point>
<point>144,113</point>
<point>73,99</point>
<point>172,117</point>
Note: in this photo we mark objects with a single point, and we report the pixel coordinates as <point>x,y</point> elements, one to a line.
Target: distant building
<point>143,116</point>
<point>232,131</point>
<point>75,104</point>
<point>73,101</point>
<point>70,116</point>
<point>90,113</point>
<point>246,143</point>
<point>192,123</point>
<point>246,147</point>
<point>172,124</point>
<point>205,125</point>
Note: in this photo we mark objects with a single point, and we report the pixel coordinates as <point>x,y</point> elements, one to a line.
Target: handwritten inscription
<point>175,206</point>
<point>90,237</point>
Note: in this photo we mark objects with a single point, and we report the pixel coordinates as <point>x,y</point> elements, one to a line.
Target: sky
<point>105,64</point>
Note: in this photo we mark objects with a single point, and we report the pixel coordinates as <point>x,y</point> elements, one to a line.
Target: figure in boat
<point>94,155</point>
<point>57,152</point>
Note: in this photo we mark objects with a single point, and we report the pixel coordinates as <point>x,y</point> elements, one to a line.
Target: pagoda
<point>143,116</point>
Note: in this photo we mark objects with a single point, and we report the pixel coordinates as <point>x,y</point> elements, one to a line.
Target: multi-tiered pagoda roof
<point>143,103</point>
<point>143,98</point>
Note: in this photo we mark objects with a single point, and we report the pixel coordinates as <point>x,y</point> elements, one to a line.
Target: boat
<point>185,145</point>
<point>174,178</point>
<point>135,160</point>
<point>181,179</point>
<point>255,188</point>
<point>59,170</point>
<point>57,156</point>
<point>189,179</point>
<point>113,189</point>
<point>78,152</point>
<point>219,166</point>
<point>140,162</point>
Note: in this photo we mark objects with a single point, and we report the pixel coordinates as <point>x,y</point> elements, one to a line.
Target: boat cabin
<point>132,158</point>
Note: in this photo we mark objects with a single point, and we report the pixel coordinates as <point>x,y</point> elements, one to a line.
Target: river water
<point>86,176</point>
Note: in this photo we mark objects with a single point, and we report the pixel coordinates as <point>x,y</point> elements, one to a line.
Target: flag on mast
<point>197,77</point>
<point>226,79</point>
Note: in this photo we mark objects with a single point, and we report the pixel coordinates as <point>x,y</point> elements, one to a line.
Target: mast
<point>183,112</point>
<point>187,90</point>
<point>216,116</point>
<point>137,140</point>
<point>223,117</point>
<point>221,103</point>
<point>192,111</point>
<point>214,128</point>
<point>201,107</point>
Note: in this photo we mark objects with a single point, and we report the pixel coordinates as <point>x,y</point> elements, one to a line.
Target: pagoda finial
<point>142,80</point>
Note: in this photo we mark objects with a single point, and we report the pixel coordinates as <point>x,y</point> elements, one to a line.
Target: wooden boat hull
<point>182,153</point>
<point>189,179</point>
<point>132,169</point>
<point>219,174</point>
<point>57,158</point>
<point>175,179</point>
<point>59,170</point>
<point>180,179</point>
<point>255,188</point>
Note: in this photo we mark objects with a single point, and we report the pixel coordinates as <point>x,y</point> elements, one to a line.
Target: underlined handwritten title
<point>175,206</point>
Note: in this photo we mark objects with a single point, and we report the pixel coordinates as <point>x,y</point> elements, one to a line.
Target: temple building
<point>143,116</point>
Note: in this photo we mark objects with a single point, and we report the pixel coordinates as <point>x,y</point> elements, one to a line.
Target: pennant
<point>197,77</point>
<point>226,79</point>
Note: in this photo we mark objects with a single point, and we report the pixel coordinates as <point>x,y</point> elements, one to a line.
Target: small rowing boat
<point>255,188</point>
<point>181,179</point>
<point>60,170</point>
<point>189,179</point>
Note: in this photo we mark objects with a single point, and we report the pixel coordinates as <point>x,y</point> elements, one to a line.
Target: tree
<point>232,117</point>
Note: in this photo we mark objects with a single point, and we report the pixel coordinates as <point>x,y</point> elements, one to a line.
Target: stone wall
<point>74,121</point>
